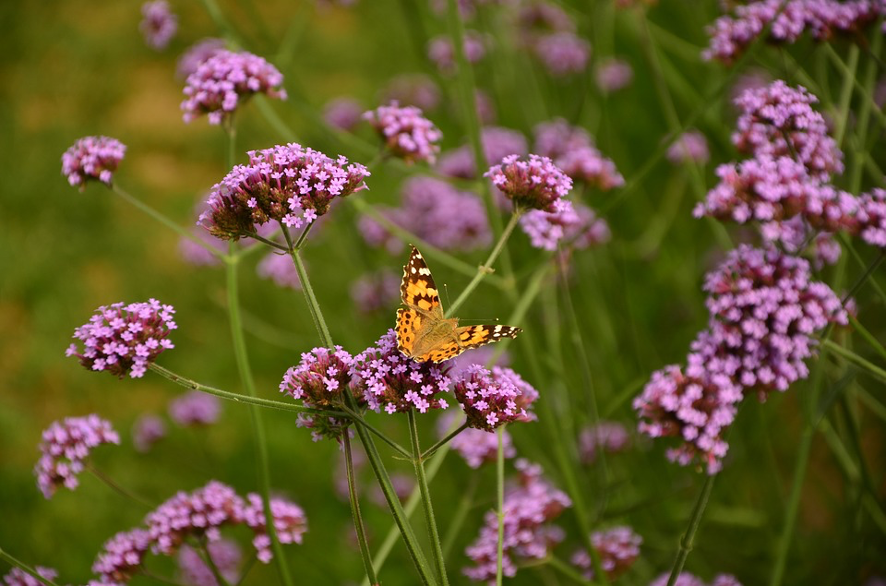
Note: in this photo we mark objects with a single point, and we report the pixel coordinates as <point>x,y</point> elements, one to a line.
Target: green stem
<point>487,267</point>
<point>686,544</point>
<point>26,568</point>
<point>457,519</point>
<point>868,336</point>
<point>567,570</point>
<point>313,305</point>
<point>246,378</point>
<point>231,131</point>
<point>235,397</point>
<point>855,359</point>
<point>422,481</point>
<point>162,219</point>
<point>361,422</point>
<point>863,90</point>
<point>400,517</point>
<point>355,512</point>
<point>846,94</point>
<point>427,454</point>
<point>113,485</point>
<point>500,502</point>
<point>203,552</point>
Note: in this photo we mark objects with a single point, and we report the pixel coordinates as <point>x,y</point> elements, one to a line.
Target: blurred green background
<point>71,69</point>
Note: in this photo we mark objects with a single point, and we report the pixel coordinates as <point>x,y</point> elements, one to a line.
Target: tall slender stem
<point>313,305</point>
<point>487,267</point>
<point>686,544</point>
<point>355,512</point>
<point>430,520</point>
<point>203,552</point>
<point>26,568</point>
<point>500,502</point>
<point>261,447</point>
<point>443,441</point>
<point>113,485</point>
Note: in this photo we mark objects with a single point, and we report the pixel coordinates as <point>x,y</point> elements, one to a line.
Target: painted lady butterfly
<point>423,333</point>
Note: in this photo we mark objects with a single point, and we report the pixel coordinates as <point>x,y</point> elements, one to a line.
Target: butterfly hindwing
<point>471,337</point>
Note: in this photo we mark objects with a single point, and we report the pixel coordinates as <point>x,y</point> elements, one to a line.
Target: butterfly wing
<point>417,289</point>
<point>471,337</point>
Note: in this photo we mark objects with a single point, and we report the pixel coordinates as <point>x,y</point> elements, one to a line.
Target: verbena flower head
<point>390,381</point>
<point>158,24</point>
<point>195,408</point>
<point>578,225</point>
<point>691,580</point>
<point>534,183</point>
<point>279,269</point>
<point>65,447</point>
<point>603,437</point>
<point>122,556</point>
<point>320,381</point>
<point>286,183</point>
<point>696,410</point>
<point>196,54</point>
<point>474,445</point>
<point>17,576</point>
<point>92,158</point>
<point>691,146</point>
<point>870,217</point>
<point>224,81</point>
<point>290,523</point>
<point>494,398</point>
<point>225,555</point>
<point>537,19</point>
<point>617,549</point>
<point>441,52</point>
<point>563,53</point>
<point>497,143</point>
<point>764,310</point>
<point>732,34</point>
<point>377,291</point>
<point>406,132</point>
<point>124,338</point>
<point>201,513</point>
<point>147,430</point>
<point>529,507</point>
<point>343,113</point>
<point>613,74</point>
<point>572,150</point>
<point>412,90</point>
<point>778,121</point>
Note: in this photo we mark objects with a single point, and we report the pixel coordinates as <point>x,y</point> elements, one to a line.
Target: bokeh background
<point>71,69</point>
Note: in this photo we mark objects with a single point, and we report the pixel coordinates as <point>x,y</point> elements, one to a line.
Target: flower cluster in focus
<point>534,183</point>
<point>494,398</point>
<point>92,158</point>
<point>406,132</point>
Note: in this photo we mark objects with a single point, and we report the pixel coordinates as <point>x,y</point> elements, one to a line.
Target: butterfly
<point>423,333</point>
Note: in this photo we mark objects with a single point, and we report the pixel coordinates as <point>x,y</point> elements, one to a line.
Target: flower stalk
<point>422,481</point>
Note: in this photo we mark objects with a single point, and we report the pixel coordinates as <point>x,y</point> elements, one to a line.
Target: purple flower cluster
<point>613,74</point>
<point>689,147</point>
<point>407,134</point>
<point>17,576</point>
<point>196,54</point>
<point>474,445</point>
<point>158,24</point>
<point>563,53</point>
<point>286,183</point>
<point>572,149</point>
<point>764,311</point>
<point>201,515</point>
<point>391,381</point>
<point>377,291</point>
<point>65,447</point>
<point>576,224</point>
<point>732,34</point>
<point>441,52</point>
<point>604,436</point>
<point>412,90</point>
<point>528,508</point>
<point>320,380</point>
<point>195,408</point>
<point>343,113</point>
<point>225,555</point>
<point>446,217</point>
<point>534,183</point>
<point>695,409</point>
<point>497,143</point>
<point>225,80</point>
<point>691,580</point>
<point>92,158</point>
<point>124,338</point>
<point>617,549</point>
<point>147,431</point>
<point>494,398</point>
<point>538,19</point>
<point>279,269</point>
<point>778,120</point>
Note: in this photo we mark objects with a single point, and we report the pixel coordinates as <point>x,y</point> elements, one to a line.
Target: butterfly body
<point>424,333</point>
